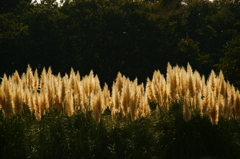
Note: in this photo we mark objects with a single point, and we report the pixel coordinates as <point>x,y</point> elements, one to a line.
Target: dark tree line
<point>108,36</point>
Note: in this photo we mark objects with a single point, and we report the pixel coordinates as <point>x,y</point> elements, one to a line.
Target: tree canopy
<point>133,37</point>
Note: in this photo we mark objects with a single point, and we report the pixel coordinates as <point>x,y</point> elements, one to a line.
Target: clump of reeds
<point>214,97</point>
<point>45,92</point>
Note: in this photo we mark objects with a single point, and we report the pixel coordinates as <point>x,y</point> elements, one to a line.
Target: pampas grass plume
<point>96,103</point>
<point>29,76</point>
<point>17,98</point>
<point>205,103</point>
<point>214,109</point>
<point>220,105</point>
<point>37,102</point>
<point>191,86</point>
<point>149,91</point>
<point>133,105</point>
<point>115,99</point>
<point>69,104</point>
<point>16,78</point>
<point>125,98</point>
<point>214,98</point>
<point>186,110</point>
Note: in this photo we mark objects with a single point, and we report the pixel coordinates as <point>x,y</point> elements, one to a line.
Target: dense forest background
<point>133,37</point>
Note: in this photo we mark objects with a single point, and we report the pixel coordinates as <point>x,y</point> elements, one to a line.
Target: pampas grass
<point>70,93</point>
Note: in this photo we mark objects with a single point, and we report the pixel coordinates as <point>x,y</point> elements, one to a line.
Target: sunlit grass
<point>180,116</point>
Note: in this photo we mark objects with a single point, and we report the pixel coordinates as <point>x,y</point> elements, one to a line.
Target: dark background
<point>134,38</point>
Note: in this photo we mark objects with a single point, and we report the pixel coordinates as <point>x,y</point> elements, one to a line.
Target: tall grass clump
<point>214,97</point>
<point>180,115</point>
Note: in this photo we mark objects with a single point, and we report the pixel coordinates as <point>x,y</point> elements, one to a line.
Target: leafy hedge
<point>163,135</point>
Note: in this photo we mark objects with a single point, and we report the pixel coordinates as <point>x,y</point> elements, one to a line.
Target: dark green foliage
<point>230,62</point>
<point>197,138</point>
<point>107,36</point>
<point>163,135</point>
<point>134,38</point>
<point>7,6</point>
<point>12,137</point>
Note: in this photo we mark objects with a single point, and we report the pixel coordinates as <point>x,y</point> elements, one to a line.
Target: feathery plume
<point>35,84</point>
<point>134,101</point>
<point>29,76</point>
<point>186,110</point>
<point>213,109</point>
<point>115,99</point>
<point>125,98</point>
<point>149,91</point>
<point>96,103</point>
<point>69,103</point>
<point>220,105</point>
<point>37,102</point>
<point>191,86</point>
<point>17,98</point>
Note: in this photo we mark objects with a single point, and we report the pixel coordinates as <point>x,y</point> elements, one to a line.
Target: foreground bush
<point>164,134</point>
